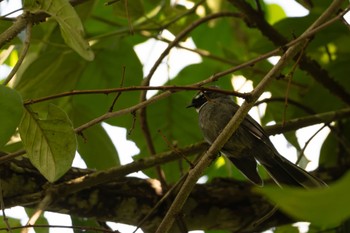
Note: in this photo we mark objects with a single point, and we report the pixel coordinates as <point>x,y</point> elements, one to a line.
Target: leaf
<point>96,147</point>
<point>57,72</point>
<point>129,9</point>
<point>286,229</point>
<point>11,110</point>
<point>86,222</point>
<point>311,205</point>
<point>50,143</point>
<point>106,71</point>
<point>53,72</point>
<point>70,24</point>
<point>13,222</point>
<point>275,13</point>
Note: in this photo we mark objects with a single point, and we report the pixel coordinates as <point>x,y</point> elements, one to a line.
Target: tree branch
<point>222,204</point>
<point>26,45</point>
<point>128,199</point>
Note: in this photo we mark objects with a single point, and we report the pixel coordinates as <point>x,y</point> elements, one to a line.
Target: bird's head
<point>202,97</point>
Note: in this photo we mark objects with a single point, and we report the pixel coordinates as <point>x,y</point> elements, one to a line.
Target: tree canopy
<point>74,66</point>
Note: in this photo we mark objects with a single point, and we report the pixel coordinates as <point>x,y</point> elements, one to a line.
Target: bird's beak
<point>190,106</point>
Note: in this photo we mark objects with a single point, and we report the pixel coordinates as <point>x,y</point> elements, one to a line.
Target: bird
<point>248,144</point>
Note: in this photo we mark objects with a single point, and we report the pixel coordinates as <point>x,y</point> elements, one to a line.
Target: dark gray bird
<point>248,144</point>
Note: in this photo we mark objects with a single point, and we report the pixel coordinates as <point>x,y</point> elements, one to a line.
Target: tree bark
<point>223,203</point>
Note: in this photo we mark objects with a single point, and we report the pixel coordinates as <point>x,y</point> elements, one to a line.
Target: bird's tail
<point>285,172</point>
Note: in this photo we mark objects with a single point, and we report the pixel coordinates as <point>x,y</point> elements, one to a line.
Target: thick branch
<point>20,24</point>
<point>127,200</point>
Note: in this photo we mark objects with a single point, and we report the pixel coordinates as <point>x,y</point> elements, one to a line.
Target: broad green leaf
<point>286,229</point>
<point>95,147</point>
<point>50,142</point>
<point>314,204</point>
<point>330,151</point>
<point>57,72</point>
<point>13,222</point>
<point>216,231</point>
<point>275,13</point>
<point>129,9</point>
<point>88,223</point>
<point>71,27</point>
<point>10,114</point>
<point>106,71</point>
<point>53,72</point>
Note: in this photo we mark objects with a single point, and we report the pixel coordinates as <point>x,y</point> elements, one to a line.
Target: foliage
<point>309,205</point>
<point>81,69</point>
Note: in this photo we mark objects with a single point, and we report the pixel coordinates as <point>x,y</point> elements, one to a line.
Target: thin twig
<point>4,217</point>
<point>174,148</point>
<point>290,101</point>
<point>118,93</point>
<point>301,122</point>
<point>131,29</point>
<point>290,77</point>
<point>135,88</point>
<point>302,154</point>
<point>8,157</point>
<point>136,107</point>
<point>179,37</point>
<point>26,45</point>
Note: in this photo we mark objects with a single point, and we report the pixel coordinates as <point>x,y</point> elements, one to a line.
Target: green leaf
<point>96,147</point>
<point>129,9</point>
<point>71,27</point>
<point>13,222</point>
<point>286,229</point>
<point>57,72</point>
<point>97,144</point>
<point>50,143</point>
<point>46,71</point>
<point>329,154</point>
<point>106,71</point>
<point>275,13</point>
<point>11,110</point>
<point>86,222</point>
<point>313,205</point>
